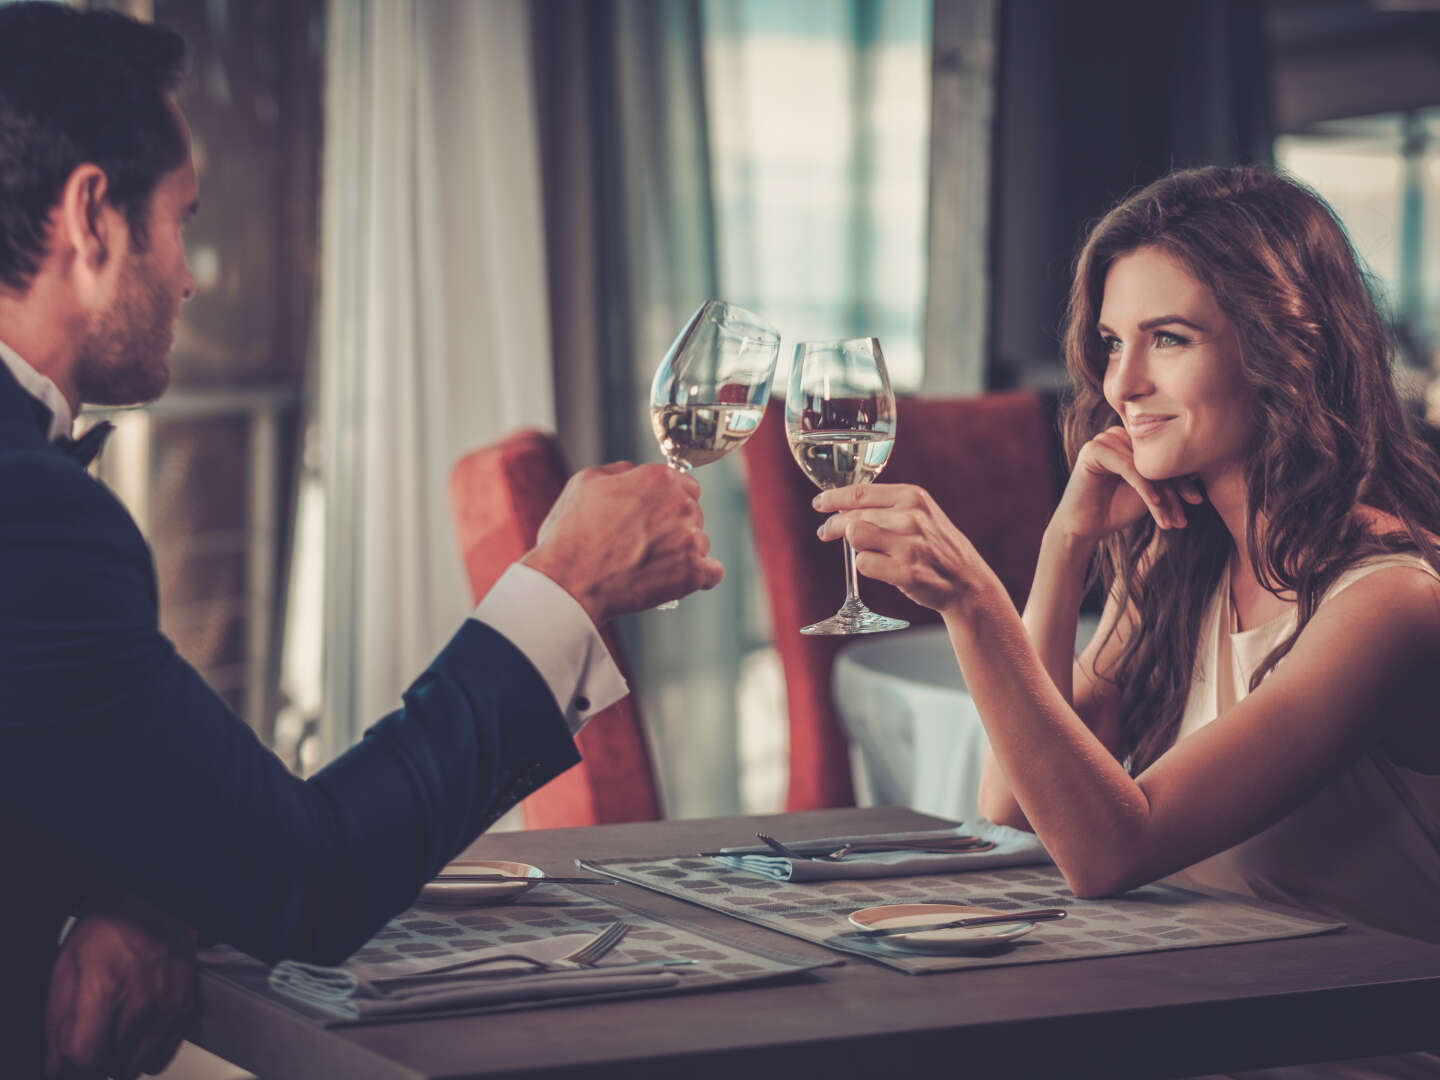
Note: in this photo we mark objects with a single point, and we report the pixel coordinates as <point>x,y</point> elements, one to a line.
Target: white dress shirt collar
<point>42,389</point>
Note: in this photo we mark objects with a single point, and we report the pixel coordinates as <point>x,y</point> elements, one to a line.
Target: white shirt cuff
<point>550,627</point>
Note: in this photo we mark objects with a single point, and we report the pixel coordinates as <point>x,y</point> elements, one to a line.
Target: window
<point>820,141</point>
<point>1382,176</point>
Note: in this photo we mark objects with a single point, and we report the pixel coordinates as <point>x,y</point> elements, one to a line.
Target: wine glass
<point>840,423</point>
<point>710,391</point>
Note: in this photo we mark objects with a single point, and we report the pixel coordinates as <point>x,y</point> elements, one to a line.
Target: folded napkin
<point>412,985</point>
<point>1012,848</point>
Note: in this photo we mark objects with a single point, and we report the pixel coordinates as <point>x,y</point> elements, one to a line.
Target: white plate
<point>958,940</point>
<point>473,893</point>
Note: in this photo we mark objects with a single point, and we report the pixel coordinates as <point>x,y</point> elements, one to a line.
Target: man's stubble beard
<point>123,359</point>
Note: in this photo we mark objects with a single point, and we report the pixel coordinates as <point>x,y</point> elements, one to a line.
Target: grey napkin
<point>1012,848</point>
<point>360,991</point>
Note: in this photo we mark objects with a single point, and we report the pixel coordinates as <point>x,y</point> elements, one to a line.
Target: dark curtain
<point>1093,101</point>
<point>630,251</point>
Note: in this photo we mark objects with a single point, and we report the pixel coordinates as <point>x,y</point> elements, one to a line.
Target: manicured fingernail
<point>815,502</point>
<point>820,532</point>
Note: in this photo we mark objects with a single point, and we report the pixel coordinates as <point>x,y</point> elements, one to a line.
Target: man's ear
<point>91,233</point>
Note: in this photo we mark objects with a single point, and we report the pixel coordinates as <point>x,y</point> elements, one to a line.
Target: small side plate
<point>958,940</point>
<point>442,893</point>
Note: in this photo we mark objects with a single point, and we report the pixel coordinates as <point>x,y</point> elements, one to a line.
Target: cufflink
<point>582,703</point>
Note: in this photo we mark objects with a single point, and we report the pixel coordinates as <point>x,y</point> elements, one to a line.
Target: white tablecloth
<point>907,713</point>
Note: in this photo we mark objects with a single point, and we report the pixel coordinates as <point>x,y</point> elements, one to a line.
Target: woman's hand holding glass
<point>901,537</point>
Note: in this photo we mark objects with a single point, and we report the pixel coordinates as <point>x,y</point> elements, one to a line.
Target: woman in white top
<point>1261,707</point>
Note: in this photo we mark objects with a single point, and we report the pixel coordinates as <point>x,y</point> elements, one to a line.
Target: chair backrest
<point>993,465</point>
<point>499,495</point>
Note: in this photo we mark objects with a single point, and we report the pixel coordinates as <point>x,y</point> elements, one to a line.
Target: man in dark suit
<point>130,796</point>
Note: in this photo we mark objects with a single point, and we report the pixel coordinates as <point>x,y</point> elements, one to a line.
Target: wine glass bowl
<point>710,391</point>
<point>840,425</point>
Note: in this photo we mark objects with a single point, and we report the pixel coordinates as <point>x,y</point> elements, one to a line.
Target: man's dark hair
<point>80,87</point>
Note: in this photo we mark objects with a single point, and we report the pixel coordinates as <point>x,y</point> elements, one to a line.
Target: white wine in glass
<point>710,391</point>
<point>695,435</point>
<point>840,424</point>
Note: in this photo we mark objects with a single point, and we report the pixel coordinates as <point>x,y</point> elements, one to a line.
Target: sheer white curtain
<point>434,333</point>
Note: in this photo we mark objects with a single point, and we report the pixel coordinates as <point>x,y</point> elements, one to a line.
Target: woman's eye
<point>1110,344</point>
<point>1166,340</point>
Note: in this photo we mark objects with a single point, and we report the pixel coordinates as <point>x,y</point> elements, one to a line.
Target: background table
<point>907,713</point>
<point>1349,994</point>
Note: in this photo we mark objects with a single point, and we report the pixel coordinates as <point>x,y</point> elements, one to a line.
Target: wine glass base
<point>854,619</point>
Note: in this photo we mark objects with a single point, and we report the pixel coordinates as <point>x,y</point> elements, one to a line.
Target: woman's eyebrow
<point>1159,320</point>
<point>1162,320</point>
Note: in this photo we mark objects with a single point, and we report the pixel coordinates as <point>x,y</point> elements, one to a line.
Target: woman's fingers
<point>1110,451</point>
<point>834,527</point>
<point>908,542</point>
<point>866,534</point>
<point>879,566</point>
<point>866,496</point>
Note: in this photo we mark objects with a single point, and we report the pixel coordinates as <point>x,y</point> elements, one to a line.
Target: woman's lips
<point>1141,426</point>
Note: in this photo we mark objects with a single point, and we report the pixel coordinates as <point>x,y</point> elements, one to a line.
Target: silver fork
<point>591,952</point>
<point>585,956</point>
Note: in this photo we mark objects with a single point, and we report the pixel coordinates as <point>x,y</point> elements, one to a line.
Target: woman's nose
<point>1128,376</point>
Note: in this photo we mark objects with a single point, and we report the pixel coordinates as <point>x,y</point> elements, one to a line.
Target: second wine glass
<point>710,391</point>
<point>840,424</point>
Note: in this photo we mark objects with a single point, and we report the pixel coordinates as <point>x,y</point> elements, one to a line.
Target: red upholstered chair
<point>499,495</point>
<point>991,462</point>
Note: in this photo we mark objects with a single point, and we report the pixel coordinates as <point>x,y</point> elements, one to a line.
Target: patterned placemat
<point>1149,919</point>
<point>719,961</point>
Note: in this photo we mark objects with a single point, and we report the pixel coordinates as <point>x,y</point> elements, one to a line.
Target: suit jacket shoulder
<point>56,521</point>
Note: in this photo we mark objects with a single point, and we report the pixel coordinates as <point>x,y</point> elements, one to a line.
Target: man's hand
<point>624,538</point>
<point>121,996</point>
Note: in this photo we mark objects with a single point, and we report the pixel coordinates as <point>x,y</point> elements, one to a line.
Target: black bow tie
<point>87,447</point>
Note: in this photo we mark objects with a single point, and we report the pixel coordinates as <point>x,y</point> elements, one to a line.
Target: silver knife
<point>1035,915</point>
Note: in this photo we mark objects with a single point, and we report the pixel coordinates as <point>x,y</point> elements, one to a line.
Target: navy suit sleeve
<point>114,746</point>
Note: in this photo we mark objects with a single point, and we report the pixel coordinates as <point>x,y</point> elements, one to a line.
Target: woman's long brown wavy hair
<point>1331,435</point>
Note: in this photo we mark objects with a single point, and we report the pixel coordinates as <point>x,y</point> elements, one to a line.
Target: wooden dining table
<point>1356,992</point>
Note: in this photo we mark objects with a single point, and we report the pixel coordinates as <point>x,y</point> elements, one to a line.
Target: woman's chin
<point>1157,467</point>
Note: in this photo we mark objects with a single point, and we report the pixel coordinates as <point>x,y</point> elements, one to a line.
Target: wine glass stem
<point>679,466</point>
<point>852,579</point>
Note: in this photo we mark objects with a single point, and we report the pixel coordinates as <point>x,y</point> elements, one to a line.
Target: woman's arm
<point>1104,494</point>
<point>1363,670</point>
<point>1364,665</point>
<point>1051,619</point>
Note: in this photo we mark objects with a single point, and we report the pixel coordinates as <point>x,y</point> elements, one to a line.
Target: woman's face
<point>1173,369</point>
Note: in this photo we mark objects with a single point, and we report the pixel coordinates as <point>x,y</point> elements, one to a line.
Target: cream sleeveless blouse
<point>1366,847</point>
